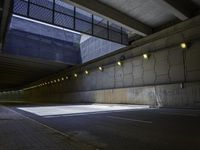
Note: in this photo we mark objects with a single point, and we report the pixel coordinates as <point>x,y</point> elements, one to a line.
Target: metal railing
<point>58,13</point>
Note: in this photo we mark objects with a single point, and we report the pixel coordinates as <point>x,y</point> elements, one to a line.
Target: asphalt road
<point>152,129</point>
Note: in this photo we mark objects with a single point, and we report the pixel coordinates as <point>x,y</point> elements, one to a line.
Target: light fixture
<point>100,68</point>
<point>183,45</point>
<point>62,79</point>
<point>121,59</point>
<point>51,81</point>
<point>75,75</point>
<point>86,72</point>
<point>146,56</point>
<point>55,81</point>
<point>67,77</point>
<point>119,63</point>
<point>58,80</point>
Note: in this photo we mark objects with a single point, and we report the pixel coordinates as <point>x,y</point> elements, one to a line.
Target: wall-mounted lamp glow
<point>146,56</point>
<point>122,58</point>
<point>62,79</point>
<point>58,80</point>
<point>184,45</point>
<point>55,81</point>
<point>75,75</point>
<point>67,77</point>
<point>100,68</point>
<point>51,82</point>
<point>119,63</point>
<point>86,72</point>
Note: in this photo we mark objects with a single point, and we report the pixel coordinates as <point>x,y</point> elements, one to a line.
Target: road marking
<point>179,114</point>
<point>128,119</point>
<point>52,116</point>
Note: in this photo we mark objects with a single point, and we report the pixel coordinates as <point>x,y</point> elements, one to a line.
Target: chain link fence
<point>67,16</point>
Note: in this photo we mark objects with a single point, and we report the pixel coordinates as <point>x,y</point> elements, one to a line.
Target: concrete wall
<point>171,95</point>
<point>170,77</point>
<point>35,40</point>
<point>96,47</point>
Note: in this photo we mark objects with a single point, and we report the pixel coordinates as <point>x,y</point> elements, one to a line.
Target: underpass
<point>118,74</point>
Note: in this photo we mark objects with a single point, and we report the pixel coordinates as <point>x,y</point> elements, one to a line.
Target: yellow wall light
<point>146,56</point>
<point>184,45</point>
<point>119,63</point>
<point>86,72</point>
<point>100,68</point>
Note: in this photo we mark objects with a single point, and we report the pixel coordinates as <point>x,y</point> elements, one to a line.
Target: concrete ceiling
<point>141,17</point>
<point>155,13</point>
<point>146,11</point>
<point>16,72</point>
<point>196,2</point>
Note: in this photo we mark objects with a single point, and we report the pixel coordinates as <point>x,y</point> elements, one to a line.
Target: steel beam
<point>6,12</point>
<point>178,8</point>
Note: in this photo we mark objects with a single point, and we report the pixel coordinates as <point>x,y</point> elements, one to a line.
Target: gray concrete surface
<point>96,47</point>
<point>42,41</point>
<point>78,109</point>
<point>153,129</point>
<point>21,133</point>
<point>140,10</point>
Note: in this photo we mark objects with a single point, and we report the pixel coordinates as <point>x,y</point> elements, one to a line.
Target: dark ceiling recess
<point>1,3</point>
<point>16,72</point>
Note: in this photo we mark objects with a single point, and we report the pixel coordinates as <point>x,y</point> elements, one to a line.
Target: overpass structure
<point>99,74</point>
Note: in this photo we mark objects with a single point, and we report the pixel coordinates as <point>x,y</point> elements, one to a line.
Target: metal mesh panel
<point>103,24</point>
<point>100,31</point>
<point>124,39</point>
<point>20,7</point>
<point>64,8</point>
<point>83,26</point>
<point>114,36</point>
<point>40,13</point>
<point>115,27</point>
<point>44,3</point>
<point>68,16</point>
<point>83,15</point>
<point>100,21</point>
<point>64,20</point>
